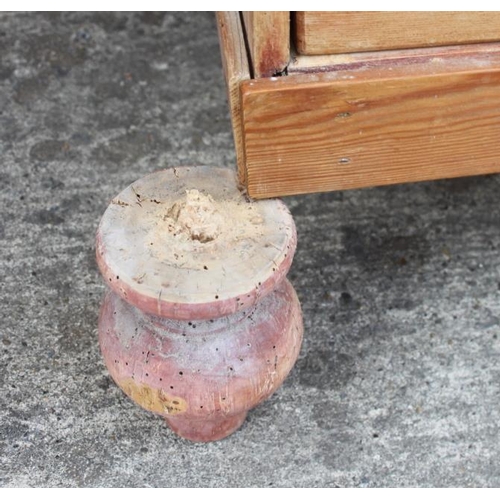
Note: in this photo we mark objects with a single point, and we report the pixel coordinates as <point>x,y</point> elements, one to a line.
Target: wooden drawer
<point>319,33</point>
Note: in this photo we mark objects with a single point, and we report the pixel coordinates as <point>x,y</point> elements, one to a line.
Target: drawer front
<point>319,33</point>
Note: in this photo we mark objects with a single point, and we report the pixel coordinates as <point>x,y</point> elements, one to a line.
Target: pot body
<point>202,376</point>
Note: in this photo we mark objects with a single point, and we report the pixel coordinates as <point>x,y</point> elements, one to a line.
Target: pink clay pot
<point>200,324</point>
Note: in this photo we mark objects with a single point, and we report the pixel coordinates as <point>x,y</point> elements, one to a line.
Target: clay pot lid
<point>185,243</point>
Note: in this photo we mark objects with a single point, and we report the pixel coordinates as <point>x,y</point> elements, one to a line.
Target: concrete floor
<point>398,381</point>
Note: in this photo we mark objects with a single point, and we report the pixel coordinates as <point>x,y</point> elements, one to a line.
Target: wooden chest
<point>323,101</point>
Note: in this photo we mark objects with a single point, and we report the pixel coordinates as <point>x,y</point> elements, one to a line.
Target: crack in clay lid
<point>185,243</point>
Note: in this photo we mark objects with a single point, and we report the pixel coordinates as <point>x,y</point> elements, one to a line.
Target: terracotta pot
<point>200,324</point>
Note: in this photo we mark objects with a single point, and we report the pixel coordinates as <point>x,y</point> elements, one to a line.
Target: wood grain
<point>356,60</point>
<point>372,125</point>
<point>338,32</point>
<point>268,37</point>
<point>236,70</point>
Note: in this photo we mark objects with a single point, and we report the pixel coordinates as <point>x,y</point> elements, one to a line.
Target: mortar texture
<point>398,380</point>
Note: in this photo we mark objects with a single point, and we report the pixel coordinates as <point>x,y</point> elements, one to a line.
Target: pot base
<point>204,431</point>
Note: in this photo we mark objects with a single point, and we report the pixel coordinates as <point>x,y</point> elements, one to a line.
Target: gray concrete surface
<point>398,381</point>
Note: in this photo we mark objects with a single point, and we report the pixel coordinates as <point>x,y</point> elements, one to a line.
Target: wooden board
<point>340,32</point>
<point>358,60</point>
<point>382,123</point>
<point>236,70</point>
<point>268,38</point>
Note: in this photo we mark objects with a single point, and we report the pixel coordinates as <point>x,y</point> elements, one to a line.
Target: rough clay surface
<point>166,241</point>
<point>197,217</point>
<point>398,381</point>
